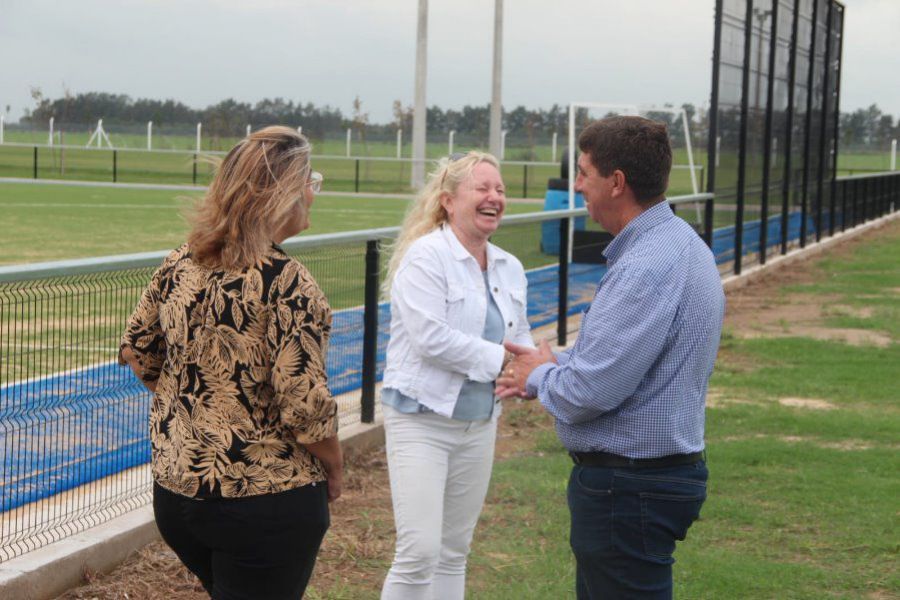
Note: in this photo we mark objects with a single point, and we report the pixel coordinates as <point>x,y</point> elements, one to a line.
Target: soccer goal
<point>684,176</point>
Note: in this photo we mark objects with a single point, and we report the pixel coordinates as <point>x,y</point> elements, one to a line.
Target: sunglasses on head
<point>451,159</point>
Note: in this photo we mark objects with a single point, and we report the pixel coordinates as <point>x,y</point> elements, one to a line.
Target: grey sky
<point>328,51</point>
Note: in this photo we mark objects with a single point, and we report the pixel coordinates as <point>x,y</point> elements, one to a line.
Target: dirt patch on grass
<point>810,403</point>
<point>764,309</point>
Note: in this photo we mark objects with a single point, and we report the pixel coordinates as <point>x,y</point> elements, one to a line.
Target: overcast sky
<point>328,51</point>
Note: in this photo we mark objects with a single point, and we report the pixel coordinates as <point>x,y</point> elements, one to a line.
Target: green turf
<point>802,503</point>
<point>51,222</point>
<point>343,175</point>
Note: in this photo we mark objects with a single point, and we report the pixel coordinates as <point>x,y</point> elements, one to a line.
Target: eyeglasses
<point>451,159</point>
<point>315,182</point>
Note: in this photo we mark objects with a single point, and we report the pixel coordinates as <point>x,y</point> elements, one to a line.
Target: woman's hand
<point>127,357</point>
<point>329,453</point>
<point>335,483</point>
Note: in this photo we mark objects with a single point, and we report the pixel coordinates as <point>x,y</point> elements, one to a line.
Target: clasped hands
<point>512,379</point>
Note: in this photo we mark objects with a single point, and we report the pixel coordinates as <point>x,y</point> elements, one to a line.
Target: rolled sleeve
<point>298,333</point>
<point>143,332</point>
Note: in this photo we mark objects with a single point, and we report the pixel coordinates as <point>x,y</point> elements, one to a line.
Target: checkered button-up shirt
<point>634,383</point>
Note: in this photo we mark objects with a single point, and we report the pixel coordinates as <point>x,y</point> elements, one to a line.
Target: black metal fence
<point>774,118</point>
<point>74,424</point>
<point>180,167</point>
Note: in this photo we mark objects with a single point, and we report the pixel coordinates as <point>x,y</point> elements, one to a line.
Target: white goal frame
<point>626,109</point>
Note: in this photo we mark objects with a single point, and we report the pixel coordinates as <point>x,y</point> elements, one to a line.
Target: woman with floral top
<point>230,335</point>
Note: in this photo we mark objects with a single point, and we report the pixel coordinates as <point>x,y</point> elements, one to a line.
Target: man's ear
<point>619,183</point>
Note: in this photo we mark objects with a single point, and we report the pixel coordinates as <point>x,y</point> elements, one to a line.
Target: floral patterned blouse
<point>239,360</point>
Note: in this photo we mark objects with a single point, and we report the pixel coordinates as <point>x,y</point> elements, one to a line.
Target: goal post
<point>597,110</point>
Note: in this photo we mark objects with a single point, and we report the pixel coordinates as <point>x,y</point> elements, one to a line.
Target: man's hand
<point>512,380</point>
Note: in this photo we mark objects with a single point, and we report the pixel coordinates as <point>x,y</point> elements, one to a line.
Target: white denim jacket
<point>438,309</point>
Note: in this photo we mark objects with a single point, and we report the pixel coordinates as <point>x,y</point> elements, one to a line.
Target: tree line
<point>863,127</point>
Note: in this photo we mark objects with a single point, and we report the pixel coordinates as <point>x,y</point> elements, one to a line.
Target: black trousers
<point>260,547</point>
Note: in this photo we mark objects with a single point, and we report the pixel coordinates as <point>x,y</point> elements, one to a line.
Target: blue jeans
<point>624,525</point>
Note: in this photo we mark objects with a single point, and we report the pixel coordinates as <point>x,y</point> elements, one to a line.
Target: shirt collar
<point>459,251</point>
<point>647,220</point>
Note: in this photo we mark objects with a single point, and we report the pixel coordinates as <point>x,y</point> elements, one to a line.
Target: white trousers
<point>439,470</point>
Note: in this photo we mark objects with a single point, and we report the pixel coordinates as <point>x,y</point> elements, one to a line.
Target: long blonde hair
<point>250,197</point>
<point>427,213</point>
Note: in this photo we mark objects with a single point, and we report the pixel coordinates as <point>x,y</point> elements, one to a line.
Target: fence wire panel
<point>776,106</point>
<point>73,424</point>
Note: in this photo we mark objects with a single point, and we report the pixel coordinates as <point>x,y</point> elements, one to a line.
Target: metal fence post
<point>767,142</point>
<point>356,179</point>
<point>35,162</point>
<point>115,165</point>
<point>807,134</point>
<point>562,317</point>
<point>370,333</point>
<point>742,143</point>
<point>844,186</point>
<point>524,181</point>
<point>194,179</point>
<point>708,219</point>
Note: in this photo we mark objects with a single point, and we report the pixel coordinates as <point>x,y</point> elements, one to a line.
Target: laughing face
<point>476,207</point>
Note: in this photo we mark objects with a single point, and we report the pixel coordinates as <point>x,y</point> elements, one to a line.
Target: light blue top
<point>476,399</point>
<point>634,383</point>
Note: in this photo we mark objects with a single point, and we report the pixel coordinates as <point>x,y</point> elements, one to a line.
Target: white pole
<point>503,144</point>
<point>248,131</point>
<point>554,146</point>
<point>690,152</point>
<point>718,148</point>
<point>893,154</point>
<point>417,179</point>
<point>450,144</point>
<point>300,129</point>
<point>399,143</point>
<point>2,119</point>
<point>495,143</point>
<point>774,149</point>
<point>199,127</point>
<point>149,135</point>
<point>349,133</point>
<point>50,138</point>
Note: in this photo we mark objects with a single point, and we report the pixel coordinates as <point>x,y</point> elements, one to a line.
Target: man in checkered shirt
<point>629,396</point>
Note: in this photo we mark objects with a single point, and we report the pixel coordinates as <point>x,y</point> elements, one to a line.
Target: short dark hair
<point>636,146</point>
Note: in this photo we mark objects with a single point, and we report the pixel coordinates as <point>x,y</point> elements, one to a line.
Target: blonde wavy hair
<point>427,213</point>
<point>250,198</point>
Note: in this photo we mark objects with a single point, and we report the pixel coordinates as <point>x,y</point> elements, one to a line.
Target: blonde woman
<point>230,335</point>
<point>455,298</point>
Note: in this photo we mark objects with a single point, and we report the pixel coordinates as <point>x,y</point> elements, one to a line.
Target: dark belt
<point>604,459</point>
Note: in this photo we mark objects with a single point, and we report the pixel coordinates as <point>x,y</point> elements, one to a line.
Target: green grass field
<point>342,175</point>
<point>52,222</point>
<point>802,450</point>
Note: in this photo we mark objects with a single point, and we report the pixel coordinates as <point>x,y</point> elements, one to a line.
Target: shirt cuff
<point>562,357</point>
<point>488,369</point>
<point>533,384</point>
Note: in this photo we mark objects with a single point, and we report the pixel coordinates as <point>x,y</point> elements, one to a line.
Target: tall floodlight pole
<point>418,134</point>
<point>495,142</point>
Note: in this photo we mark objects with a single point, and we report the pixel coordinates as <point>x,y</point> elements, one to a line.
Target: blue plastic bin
<point>558,200</point>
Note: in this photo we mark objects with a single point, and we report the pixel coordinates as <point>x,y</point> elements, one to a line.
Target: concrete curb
<point>52,570</point>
